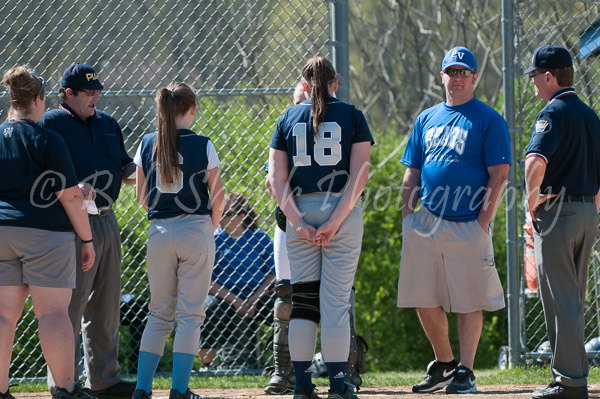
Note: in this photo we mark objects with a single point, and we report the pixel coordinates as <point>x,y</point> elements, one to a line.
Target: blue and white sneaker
<point>464,381</point>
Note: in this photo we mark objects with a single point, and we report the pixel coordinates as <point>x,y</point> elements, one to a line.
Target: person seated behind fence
<point>241,295</point>
<point>40,207</point>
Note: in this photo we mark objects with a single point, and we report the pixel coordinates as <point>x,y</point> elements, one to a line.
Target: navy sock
<point>147,364</point>
<point>451,363</point>
<point>302,371</point>
<point>182,369</point>
<point>336,372</point>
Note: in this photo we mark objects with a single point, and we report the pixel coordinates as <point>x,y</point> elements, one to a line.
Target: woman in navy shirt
<point>40,206</point>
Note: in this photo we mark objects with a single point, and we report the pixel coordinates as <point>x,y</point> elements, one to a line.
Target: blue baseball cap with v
<point>459,56</point>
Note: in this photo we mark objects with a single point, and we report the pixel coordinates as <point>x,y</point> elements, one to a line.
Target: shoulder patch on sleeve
<point>541,125</point>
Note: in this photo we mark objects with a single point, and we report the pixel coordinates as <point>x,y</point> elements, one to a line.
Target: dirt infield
<point>367,392</point>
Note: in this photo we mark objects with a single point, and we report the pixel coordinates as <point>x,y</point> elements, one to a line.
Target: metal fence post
<point>511,199</point>
<point>341,53</point>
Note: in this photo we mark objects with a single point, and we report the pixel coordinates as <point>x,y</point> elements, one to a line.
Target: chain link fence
<point>563,23</point>
<point>243,58</point>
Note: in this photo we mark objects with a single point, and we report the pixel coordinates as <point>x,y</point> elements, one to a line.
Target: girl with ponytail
<point>318,168</point>
<point>179,184</point>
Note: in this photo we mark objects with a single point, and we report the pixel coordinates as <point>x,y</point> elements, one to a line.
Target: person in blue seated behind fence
<point>241,292</point>
<point>179,184</point>
<point>40,206</point>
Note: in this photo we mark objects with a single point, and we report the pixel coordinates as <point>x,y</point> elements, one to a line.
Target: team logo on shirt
<point>453,137</point>
<point>541,125</point>
<point>8,132</point>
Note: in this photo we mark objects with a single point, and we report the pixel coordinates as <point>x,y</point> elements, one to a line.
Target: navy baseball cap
<point>80,76</point>
<point>459,56</point>
<point>550,56</point>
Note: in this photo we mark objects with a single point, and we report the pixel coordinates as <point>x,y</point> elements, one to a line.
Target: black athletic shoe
<point>122,389</point>
<point>464,381</point>
<point>141,394</point>
<point>78,393</point>
<point>6,395</point>
<point>438,376</point>
<point>348,394</point>
<point>175,394</point>
<point>558,391</point>
<point>298,394</point>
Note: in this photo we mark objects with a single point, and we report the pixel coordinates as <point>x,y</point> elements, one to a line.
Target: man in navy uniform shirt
<point>562,172</point>
<point>95,144</point>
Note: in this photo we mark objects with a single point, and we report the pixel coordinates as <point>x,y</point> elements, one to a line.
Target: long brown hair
<point>236,204</point>
<point>318,72</point>
<point>173,100</point>
<point>23,86</point>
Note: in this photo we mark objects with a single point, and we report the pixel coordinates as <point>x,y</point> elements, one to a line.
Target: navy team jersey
<point>566,135</point>
<point>321,165</point>
<point>96,148</point>
<point>35,164</point>
<point>190,194</point>
<point>453,146</point>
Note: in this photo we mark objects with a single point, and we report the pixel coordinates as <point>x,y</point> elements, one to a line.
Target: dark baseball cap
<point>80,76</point>
<point>550,56</point>
<point>459,56</point>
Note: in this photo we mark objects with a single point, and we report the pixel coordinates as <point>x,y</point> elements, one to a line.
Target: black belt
<point>103,211</point>
<point>571,198</point>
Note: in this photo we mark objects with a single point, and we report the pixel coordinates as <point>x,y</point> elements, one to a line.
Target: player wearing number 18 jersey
<point>318,167</point>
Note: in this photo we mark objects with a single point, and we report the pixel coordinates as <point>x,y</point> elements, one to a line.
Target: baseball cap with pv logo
<point>80,76</point>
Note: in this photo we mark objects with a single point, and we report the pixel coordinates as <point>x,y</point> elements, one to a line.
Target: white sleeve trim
<point>138,156</point>
<point>213,158</point>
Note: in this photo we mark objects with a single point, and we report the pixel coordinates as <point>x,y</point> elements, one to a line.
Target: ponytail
<point>172,101</point>
<point>317,74</point>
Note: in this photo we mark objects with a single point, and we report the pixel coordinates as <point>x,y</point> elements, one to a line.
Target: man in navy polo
<point>562,172</point>
<point>95,144</point>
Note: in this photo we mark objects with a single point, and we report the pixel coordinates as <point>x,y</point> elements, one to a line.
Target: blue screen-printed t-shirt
<point>242,263</point>
<point>453,146</point>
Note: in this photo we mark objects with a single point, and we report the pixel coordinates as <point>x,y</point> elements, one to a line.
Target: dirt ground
<point>366,392</point>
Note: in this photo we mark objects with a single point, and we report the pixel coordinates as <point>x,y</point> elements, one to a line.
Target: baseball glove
<point>280,218</point>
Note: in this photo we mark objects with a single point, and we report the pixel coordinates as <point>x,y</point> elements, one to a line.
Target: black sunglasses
<point>533,75</point>
<point>39,93</point>
<point>462,72</point>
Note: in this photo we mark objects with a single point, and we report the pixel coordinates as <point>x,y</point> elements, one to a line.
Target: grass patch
<point>538,375</point>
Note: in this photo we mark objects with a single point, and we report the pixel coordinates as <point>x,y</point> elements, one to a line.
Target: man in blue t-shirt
<point>95,144</point>
<point>457,159</point>
<point>562,171</point>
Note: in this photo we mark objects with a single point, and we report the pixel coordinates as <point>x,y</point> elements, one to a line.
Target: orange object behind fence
<point>529,258</point>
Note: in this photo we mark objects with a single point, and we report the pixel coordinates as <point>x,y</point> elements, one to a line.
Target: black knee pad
<point>283,289</point>
<point>305,301</point>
